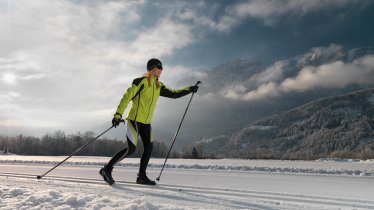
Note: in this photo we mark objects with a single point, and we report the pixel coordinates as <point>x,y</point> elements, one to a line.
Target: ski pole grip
<point>198,83</point>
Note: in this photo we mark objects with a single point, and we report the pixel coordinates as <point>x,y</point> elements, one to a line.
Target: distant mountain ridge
<point>224,116</point>
<point>333,126</point>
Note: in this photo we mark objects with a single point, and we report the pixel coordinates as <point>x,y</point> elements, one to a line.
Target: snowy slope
<point>187,184</point>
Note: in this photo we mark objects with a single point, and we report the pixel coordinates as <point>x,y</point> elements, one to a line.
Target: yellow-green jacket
<point>144,98</point>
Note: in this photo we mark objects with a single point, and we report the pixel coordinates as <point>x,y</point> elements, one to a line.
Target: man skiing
<point>143,93</point>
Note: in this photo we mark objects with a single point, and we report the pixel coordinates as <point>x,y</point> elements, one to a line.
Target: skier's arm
<point>127,97</point>
<point>170,93</point>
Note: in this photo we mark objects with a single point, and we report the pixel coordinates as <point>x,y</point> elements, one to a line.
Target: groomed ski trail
<point>215,198</point>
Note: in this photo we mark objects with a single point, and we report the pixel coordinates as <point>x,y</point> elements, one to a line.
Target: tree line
<point>60,144</point>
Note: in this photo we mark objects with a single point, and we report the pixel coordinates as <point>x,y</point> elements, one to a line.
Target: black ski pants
<point>134,130</point>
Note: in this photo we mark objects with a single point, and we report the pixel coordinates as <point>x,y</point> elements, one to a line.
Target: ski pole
<point>176,133</point>
<point>76,151</point>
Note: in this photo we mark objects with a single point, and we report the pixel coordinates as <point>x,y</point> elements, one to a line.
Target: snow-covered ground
<point>187,184</point>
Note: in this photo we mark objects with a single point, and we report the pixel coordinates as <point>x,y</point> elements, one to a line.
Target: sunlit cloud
<point>272,74</point>
<point>337,74</point>
<point>9,78</point>
<point>333,75</point>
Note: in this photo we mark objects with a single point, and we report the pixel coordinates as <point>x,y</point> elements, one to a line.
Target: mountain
<point>338,126</point>
<point>213,114</point>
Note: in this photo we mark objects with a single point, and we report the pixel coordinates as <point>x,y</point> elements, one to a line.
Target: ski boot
<point>143,179</point>
<point>106,173</point>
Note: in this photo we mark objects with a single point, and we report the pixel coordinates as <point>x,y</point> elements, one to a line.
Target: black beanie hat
<point>153,63</point>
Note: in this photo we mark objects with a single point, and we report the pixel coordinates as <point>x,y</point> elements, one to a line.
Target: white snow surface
<point>187,184</point>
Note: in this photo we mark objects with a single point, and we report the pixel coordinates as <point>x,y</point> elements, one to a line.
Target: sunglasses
<point>159,67</point>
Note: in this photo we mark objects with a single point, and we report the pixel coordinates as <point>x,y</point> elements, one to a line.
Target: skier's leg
<point>148,146</point>
<point>122,154</point>
<point>132,136</point>
<point>146,135</point>
<point>132,140</point>
<point>106,171</point>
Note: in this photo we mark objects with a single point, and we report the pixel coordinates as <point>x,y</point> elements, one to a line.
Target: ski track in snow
<point>322,166</point>
<point>68,192</point>
<point>76,186</point>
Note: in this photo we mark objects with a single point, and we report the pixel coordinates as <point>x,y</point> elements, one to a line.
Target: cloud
<point>174,74</point>
<point>160,40</point>
<point>336,74</point>
<point>200,17</point>
<point>258,86</point>
<point>18,68</point>
<point>8,107</point>
<point>8,96</point>
<point>272,74</point>
<point>271,11</point>
<point>333,75</point>
<point>240,92</point>
<point>71,61</point>
<point>55,22</point>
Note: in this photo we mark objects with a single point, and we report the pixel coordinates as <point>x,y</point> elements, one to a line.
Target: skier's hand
<point>116,121</point>
<point>194,89</point>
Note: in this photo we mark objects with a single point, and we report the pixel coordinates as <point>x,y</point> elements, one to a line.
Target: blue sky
<point>65,64</point>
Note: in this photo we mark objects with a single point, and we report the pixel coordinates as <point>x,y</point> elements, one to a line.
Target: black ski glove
<point>116,121</point>
<point>194,89</point>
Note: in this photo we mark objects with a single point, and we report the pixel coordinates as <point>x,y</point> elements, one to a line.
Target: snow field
<point>187,184</point>
<point>46,195</point>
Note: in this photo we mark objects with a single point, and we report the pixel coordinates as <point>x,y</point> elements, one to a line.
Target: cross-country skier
<point>144,93</point>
